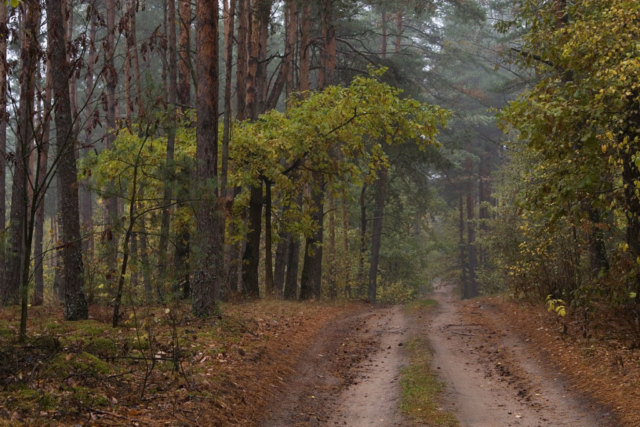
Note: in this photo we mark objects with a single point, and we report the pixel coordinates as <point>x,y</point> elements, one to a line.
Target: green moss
<point>88,398</point>
<point>421,389</point>
<point>102,347</point>
<point>27,400</point>
<point>65,364</point>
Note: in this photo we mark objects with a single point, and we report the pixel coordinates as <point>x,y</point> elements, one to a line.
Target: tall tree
<point>17,256</point>
<point>86,202</point>
<point>75,301</point>
<point>111,77</point>
<point>43,159</point>
<point>206,286</point>
<point>3,137</point>
<point>171,141</point>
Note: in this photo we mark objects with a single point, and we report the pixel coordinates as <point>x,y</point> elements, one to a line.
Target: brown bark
<point>206,283</point>
<point>75,301</point>
<point>376,233</point>
<point>305,49</point>
<point>256,70</point>
<point>399,31</point>
<point>263,13</point>
<point>184,66</point>
<point>326,76</point>
<point>244,24</point>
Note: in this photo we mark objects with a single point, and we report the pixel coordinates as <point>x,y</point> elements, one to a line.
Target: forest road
<point>492,378</point>
<point>350,374</point>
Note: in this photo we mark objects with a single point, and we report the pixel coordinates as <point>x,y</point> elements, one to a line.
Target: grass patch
<point>420,305</point>
<point>421,389</point>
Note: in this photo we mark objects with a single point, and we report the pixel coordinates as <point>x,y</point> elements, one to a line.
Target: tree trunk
<point>86,212</point>
<point>3,139</point>
<point>43,159</point>
<point>183,247</point>
<point>384,38</point>
<point>462,245</point>
<point>229,20</point>
<point>184,66</point>
<point>325,78</point>
<point>206,283</point>
<point>75,301</point>
<point>333,280</point>
<point>376,233</point>
<point>268,263</point>
<point>291,35</point>
<point>16,254</point>
<point>471,233</point>
<point>244,23</point>
<point>111,76</point>
<point>399,31</point>
<point>363,239</point>
<point>345,246</point>
<point>171,141</point>
<point>293,261</point>
<point>281,261</point>
<point>251,258</point>
<point>305,51</point>
<point>263,14</point>
<point>311,280</point>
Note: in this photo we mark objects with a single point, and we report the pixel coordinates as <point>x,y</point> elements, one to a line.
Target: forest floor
<point>438,361</point>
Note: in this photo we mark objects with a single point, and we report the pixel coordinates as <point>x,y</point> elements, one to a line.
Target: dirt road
<point>350,376</point>
<point>493,380</point>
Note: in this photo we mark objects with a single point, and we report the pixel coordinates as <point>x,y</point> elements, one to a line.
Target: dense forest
<point>179,155</point>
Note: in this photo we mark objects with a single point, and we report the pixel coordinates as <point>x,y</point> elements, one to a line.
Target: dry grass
<point>161,367</point>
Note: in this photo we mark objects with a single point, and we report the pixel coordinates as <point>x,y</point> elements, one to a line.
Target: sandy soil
<point>374,399</point>
<point>493,379</point>
<point>350,374</point>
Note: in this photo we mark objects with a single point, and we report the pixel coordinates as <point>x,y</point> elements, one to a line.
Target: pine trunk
<point>206,283</point>
<point>75,301</point>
